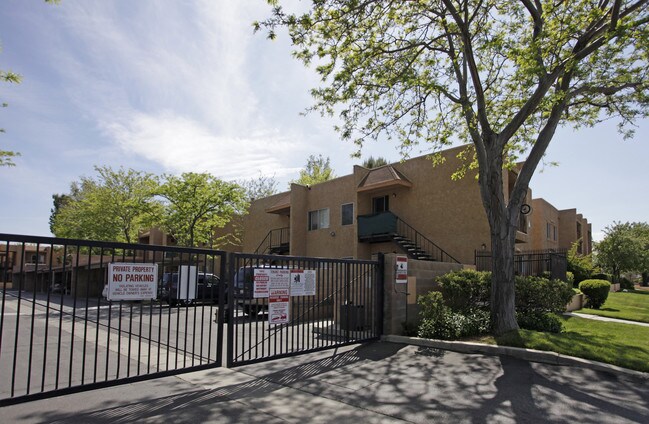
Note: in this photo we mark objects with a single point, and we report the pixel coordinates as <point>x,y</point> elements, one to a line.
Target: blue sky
<point>170,87</point>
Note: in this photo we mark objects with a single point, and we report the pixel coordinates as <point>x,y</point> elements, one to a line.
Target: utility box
<point>352,317</point>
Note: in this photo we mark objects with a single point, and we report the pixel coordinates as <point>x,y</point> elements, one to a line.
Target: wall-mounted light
<point>332,234</point>
<point>483,246</point>
<point>394,194</point>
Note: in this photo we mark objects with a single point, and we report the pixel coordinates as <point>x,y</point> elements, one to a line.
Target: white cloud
<point>181,144</point>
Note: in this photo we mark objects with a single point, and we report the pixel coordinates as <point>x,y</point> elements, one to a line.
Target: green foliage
<point>539,295</point>
<point>626,284</point>
<point>114,206</point>
<point>570,278</point>
<point>602,276</point>
<point>596,292</point>
<point>624,248</point>
<point>581,266</point>
<point>539,321</point>
<point>374,163</point>
<point>317,170</point>
<point>195,204</point>
<point>504,75</point>
<point>466,289</point>
<point>260,187</point>
<point>440,322</point>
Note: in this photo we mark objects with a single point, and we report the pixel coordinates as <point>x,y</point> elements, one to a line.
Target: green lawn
<point>625,345</point>
<point>633,306</point>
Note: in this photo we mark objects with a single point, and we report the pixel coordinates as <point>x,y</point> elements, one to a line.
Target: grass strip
<point>633,306</point>
<point>625,345</point>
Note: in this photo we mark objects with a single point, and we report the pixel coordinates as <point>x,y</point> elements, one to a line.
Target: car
<point>206,289</point>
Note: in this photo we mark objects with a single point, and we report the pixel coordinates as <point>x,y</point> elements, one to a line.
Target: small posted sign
<point>127,281</point>
<point>303,282</point>
<point>279,296</point>
<point>402,269</point>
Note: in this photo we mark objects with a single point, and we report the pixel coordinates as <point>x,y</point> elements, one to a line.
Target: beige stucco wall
<point>257,223</point>
<point>446,211</point>
<point>542,214</point>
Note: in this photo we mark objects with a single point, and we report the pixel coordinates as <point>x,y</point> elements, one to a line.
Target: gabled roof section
<point>282,206</point>
<point>383,177</point>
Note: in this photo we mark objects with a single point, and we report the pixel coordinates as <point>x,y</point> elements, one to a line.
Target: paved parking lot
<point>375,383</point>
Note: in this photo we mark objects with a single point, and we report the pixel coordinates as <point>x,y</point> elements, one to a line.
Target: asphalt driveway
<point>379,382</point>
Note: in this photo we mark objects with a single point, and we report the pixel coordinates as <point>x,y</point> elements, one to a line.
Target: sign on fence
<point>127,281</point>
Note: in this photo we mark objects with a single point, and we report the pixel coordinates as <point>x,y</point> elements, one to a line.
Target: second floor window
<point>347,212</point>
<point>318,219</point>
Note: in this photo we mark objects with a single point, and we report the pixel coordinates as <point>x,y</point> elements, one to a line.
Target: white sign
<point>268,278</point>
<point>303,282</point>
<point>132,281</point>
<point>402,269</point>
<point>187,278</point>
<point>278,306</point>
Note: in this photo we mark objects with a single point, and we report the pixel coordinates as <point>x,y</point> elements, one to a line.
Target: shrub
<point>596,292</point>
<point>466,289</point>
<point>439,321</point>
<point>570,278</point>
<point>626,284</point>
<point>602,276</point>
<point>539,321</point>
<point>540,295</point>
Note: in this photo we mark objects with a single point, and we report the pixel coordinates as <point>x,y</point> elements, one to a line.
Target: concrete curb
<point>517,352</point>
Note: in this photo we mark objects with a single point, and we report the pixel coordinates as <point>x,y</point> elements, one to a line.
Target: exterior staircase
<point>386,226</point>
<point>276,242</point>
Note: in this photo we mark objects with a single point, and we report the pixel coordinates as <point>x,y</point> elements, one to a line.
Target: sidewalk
<point>380,382</point>
<point>600,318</point>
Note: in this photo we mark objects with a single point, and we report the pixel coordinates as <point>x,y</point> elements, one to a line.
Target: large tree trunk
<point>502,225</point>
<point>503,301</point>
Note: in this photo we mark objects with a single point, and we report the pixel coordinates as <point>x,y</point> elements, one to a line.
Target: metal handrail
<point>421,242</point>
<point>280,235</point>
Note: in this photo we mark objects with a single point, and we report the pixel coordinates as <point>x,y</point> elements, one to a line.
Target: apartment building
<point>558,229</point>
<point>411,206</point>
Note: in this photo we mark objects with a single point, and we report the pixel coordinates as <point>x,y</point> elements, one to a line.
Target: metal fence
<point>534,262</point>
<point>69,322</point>
<point>332,302</point>
<point>59,334</point>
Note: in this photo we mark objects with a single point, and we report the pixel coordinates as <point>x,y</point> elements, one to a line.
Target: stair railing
<point>422,243</point>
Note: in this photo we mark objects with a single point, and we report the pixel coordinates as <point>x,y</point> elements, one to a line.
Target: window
<point>318,219</point>
<point>551,231</point>
<point>347,213</point>
<point>380,204</point>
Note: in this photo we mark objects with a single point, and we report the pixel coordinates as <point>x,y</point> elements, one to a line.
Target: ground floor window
<point>318,219</point>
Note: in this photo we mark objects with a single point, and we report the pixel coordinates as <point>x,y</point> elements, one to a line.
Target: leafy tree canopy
<point>625,248</point>
<point>260,187</point>
<point>501,74</point>
<point>374,163</point>
<point>114,206</point>
<point>194,204</point>
<point>317,170</point>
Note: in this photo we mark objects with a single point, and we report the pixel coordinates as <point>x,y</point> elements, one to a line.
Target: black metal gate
<point>69,322</point>
<point>282,305</point>
<point>59,333</point>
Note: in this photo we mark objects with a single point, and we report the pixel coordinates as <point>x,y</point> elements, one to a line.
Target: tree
<point>625,248</point>
<point>114,206</point>
<point>317,170</point>
<point>374,163</point>
<point>6,156</point>
<point>260,187</point>
<point>195,204</point>
<point>501,74</point>
<point>581,266</point>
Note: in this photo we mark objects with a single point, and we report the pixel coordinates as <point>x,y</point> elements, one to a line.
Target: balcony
<point>377,227</point>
